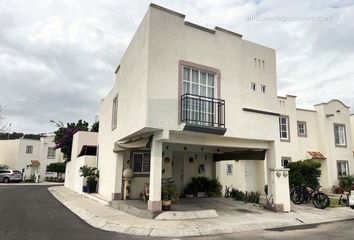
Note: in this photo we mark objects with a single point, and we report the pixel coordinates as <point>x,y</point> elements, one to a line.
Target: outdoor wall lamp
<point>278,174</point>
<point>285,174</point>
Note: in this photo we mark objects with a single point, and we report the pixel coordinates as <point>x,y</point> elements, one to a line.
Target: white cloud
<point>57,58</point>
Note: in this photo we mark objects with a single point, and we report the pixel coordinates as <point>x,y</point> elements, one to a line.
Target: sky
<point>58,57</point>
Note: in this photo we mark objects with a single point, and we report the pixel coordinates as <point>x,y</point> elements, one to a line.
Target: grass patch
<point>334,203</point>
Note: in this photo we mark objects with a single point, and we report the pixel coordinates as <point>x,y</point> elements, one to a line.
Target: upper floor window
<point>198,82</point>
<point>51,152</point>
<point>29,149</point>
<point>253,86</point>
<point>342,168</point>
<point>114,112</point>
<point>263,88</point>
<point>339,135</point>
<point>284,128</point>
<point>141,162</point>
<point>301,129</point>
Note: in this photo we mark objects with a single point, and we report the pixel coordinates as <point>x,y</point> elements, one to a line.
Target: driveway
<point>31,212</point>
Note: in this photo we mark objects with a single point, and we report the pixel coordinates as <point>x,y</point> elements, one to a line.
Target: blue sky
<point>57,58</point>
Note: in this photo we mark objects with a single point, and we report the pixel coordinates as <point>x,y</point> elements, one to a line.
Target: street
<point>31,212</point>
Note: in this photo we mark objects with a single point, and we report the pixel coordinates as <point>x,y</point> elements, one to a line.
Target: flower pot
<point>92,186</point>
<point>166,205</point>
<point>84,189</point>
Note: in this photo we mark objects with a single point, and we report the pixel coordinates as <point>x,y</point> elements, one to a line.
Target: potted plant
<point>168,192</point>
<point>90,173</point>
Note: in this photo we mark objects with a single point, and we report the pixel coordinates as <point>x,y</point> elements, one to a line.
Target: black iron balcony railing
<point>203,111</point>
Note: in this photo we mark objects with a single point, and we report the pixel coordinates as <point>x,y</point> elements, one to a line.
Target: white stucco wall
<point>171,40</point>
<point>9,152</point>
<point>131,88</point>
<point>73,180</point>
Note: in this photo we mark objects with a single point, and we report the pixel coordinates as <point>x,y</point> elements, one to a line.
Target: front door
<point>177,170</point>
<point>251,175</point>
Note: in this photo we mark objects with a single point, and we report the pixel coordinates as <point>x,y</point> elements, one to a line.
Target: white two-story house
<point>322,134</point>
<point>30,155</point>
<point>187,100</point>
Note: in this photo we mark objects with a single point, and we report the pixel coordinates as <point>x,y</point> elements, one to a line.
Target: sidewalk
<point>103,217</point>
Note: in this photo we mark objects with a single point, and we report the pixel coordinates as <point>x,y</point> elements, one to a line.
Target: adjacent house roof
<point>316,155</point>
<point>35,163</point>
<point>88,150</point>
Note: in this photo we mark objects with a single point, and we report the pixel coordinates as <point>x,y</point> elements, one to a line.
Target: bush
<point>212,187</point>
<point>346,183</point>
<point>251,197</point>
<point>305,172</point>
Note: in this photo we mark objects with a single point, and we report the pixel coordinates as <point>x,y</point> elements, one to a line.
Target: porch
<point>179,158</point>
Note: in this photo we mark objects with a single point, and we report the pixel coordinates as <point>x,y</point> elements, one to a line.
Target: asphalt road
<point>31,212</point>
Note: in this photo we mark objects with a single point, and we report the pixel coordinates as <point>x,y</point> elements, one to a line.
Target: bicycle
<point>348,201</point>
<point>302,194</point>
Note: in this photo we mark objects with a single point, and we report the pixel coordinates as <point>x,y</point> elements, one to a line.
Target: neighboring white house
<point>187,98</point>
<point>84,150</point>
<point>30,155</point>
<point>322,134</point>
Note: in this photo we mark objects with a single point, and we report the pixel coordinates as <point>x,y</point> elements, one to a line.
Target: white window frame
<point>142,162</point>
<point>206,110</point>
<point>29,149</point>
<point>342,172</point>
<point>287,128</point>
<point>304,128</point>
<point>340,138</point>
<point>190,82</point>
<point>229,169</point>
<point>114,112</point>
<point>51,153</point>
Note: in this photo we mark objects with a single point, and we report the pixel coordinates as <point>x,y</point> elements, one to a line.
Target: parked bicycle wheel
<point>321,200</point>
<point>297,196</point>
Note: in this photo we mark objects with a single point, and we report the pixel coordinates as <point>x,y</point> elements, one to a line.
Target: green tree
<point>346,183</point>
<point>58,168</point>
<point>95,126</point>
<point>3,166</point>
<point>306,172</point>
<point>64,135</point>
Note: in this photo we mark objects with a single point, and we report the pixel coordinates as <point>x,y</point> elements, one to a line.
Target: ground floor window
<point>141,162</point>
<point>342,168</point>
<point>285,161</point>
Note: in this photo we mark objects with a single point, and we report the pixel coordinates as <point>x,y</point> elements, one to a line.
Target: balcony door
<point>201,88</point>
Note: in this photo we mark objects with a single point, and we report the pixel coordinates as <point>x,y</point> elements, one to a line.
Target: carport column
<point>278,180</point>
<point>117,181</point>
<point>154,203</point>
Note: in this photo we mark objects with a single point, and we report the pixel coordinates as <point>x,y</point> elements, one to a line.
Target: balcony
<point>203,114</point>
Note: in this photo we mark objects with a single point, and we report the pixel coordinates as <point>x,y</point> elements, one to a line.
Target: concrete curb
<point>181,231</point>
